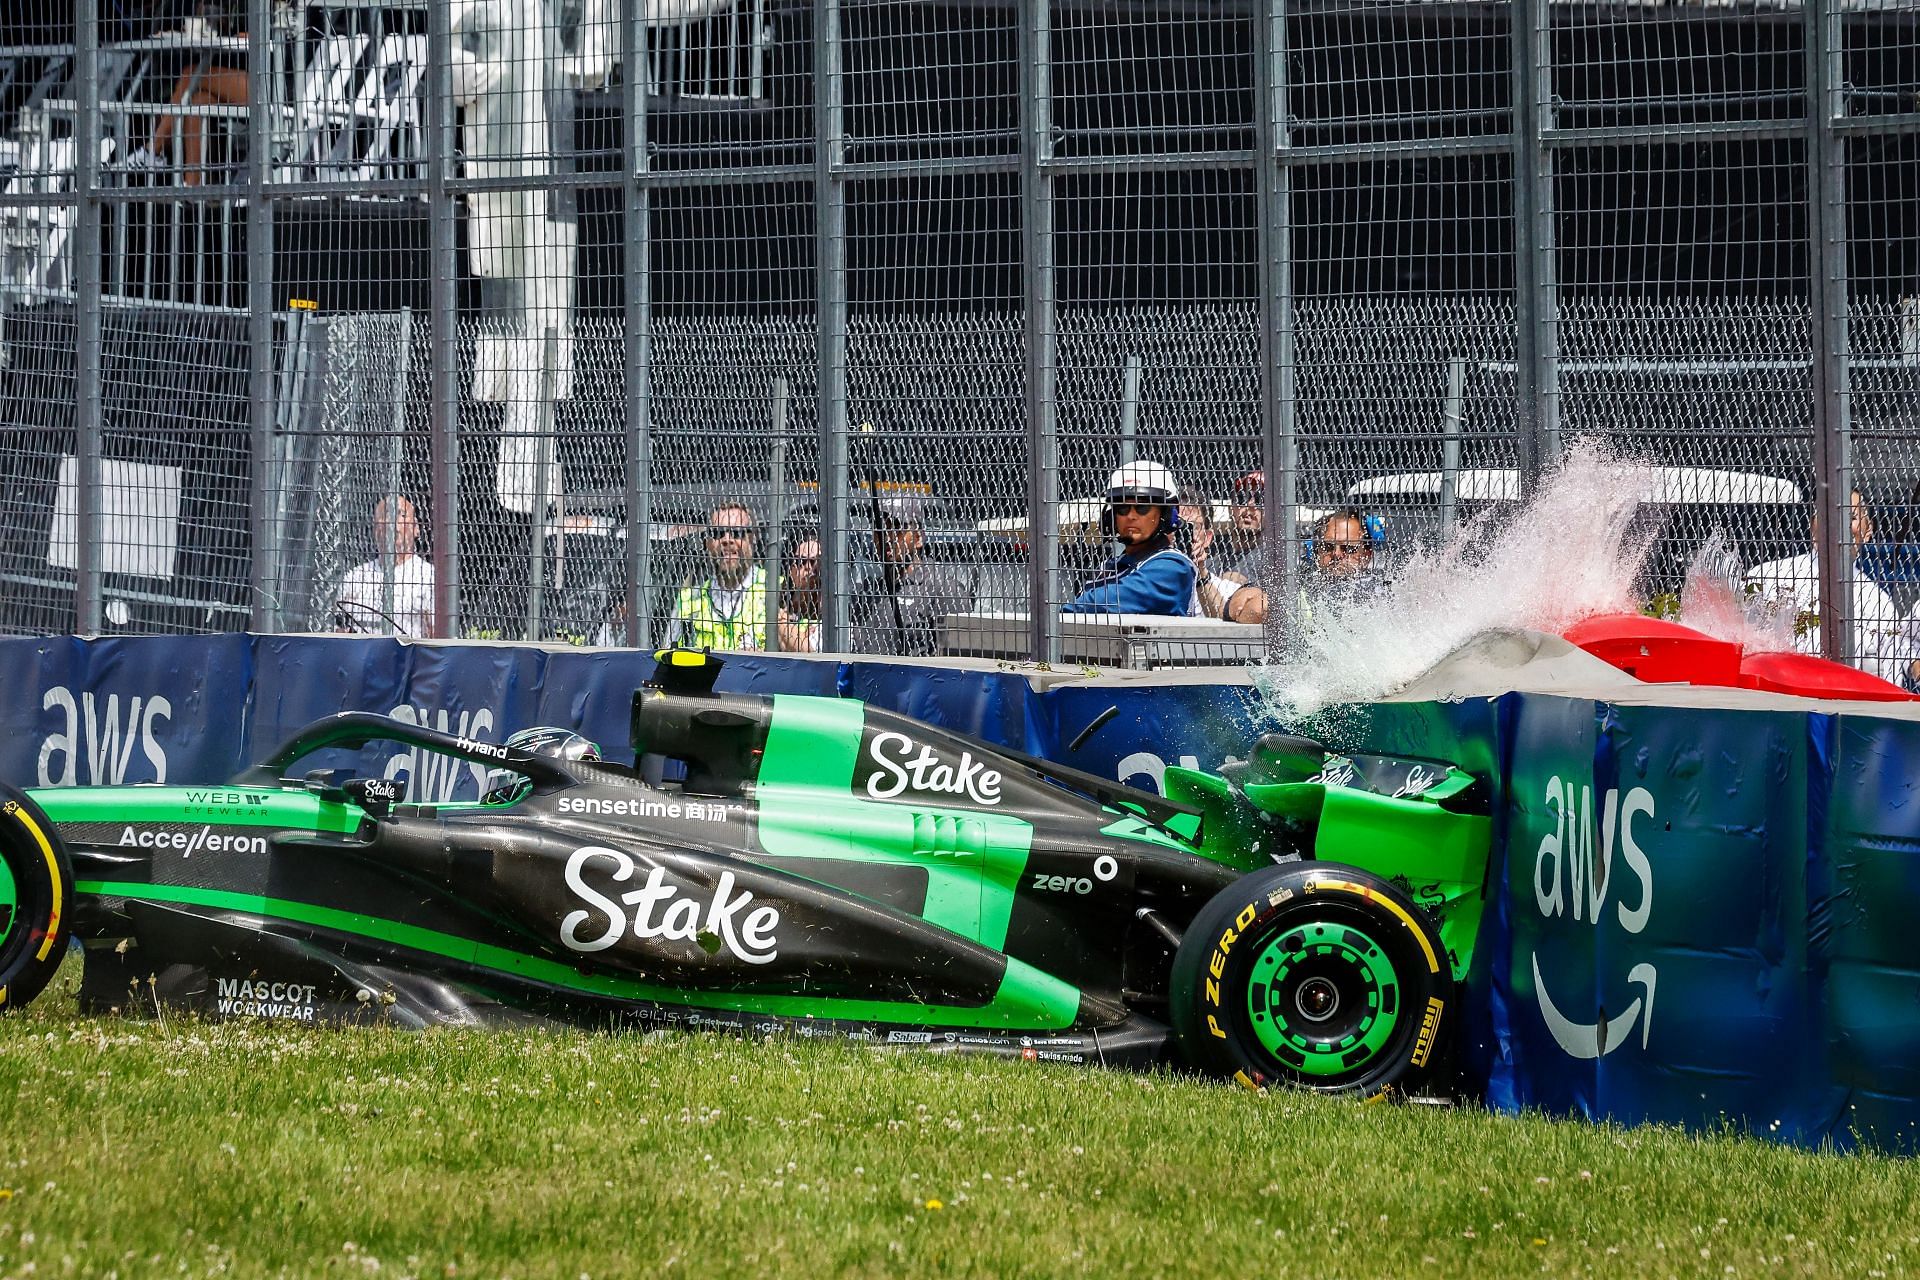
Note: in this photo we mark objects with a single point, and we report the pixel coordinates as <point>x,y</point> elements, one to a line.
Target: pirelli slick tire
<point>1313,975</point>
<point>36,899</point>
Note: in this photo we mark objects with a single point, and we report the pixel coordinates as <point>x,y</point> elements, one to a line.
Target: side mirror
<point>376,795</point>
<point>324,783</point>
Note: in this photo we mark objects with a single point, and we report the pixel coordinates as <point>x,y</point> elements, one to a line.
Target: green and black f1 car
<point>785,863</point>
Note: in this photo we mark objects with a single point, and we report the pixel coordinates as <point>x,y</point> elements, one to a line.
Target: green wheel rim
<point>1323,998</point>
<point>9,902</point>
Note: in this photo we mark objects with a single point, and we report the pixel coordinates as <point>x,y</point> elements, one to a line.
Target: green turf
<point>192,1149</point>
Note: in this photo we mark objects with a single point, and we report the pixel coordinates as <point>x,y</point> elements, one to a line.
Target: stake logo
<point>1337,772</point>
<point>899,767</point>
<point>722,923</point>
<point>1419,780</point>
<point>1574,877</point>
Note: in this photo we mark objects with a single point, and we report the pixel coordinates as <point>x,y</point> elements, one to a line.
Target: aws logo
<point>1577,878</point>
<point>96,736</point>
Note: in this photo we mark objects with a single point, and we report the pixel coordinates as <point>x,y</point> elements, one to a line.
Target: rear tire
<point>1314,975</point>
<point>36,899</point>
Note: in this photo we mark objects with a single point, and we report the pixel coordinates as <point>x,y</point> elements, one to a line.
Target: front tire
<point>1314,975</point>
<point>36,899</point>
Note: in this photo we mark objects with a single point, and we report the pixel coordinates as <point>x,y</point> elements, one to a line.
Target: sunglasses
<point>720,532</point>
<point>1344,548</point>
<point>1135,508</point>
<point>1249,494</point>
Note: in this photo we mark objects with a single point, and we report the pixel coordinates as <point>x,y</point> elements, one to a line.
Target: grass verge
<point>133,1149</point>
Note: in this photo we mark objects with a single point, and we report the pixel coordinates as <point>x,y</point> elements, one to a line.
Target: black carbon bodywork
<point>815,866</point>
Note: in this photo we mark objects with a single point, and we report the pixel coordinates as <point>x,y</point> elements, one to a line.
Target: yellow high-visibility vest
<point>703,626</point>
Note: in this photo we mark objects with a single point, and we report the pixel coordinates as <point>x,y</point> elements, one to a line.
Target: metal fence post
<point>267,612</point>
<point>1536,385</point>
<point>1273,202</point>
<point>443,300</point>
<point>84,251</point>
<point>774,549</point>
<point>1453,417</point>
<point>396,445</point>
<point>1827,299</point>
<point>830,247</point>
<point>636,346</point>
<point>543,492</point>
<point>1036,253</point>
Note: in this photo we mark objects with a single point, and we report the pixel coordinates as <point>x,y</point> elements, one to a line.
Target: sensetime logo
<point>1577,878</point>
<point>656,909</point>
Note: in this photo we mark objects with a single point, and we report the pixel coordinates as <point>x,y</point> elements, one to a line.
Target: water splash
<point>1573,551</point>
<point>1715,600</point>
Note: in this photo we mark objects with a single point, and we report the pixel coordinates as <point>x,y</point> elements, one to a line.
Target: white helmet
<point>1148,480</point>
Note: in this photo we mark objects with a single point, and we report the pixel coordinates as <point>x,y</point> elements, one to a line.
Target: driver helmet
<point>1151,482</point>
<point>552,740</point>
<point>544,740</point>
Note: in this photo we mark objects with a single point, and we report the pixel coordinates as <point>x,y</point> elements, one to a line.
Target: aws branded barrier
<point>1699,914</point>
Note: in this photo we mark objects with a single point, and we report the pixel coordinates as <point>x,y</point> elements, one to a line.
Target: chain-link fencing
<point>827,324</point>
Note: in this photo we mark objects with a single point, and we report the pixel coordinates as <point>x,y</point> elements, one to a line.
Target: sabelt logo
<point>904,763</point>
<point>657,910</point>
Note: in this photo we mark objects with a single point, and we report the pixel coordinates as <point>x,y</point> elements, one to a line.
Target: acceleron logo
<point>1578,879</point>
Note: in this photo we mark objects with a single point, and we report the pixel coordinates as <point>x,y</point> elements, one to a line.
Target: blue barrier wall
<point>1700,916</point>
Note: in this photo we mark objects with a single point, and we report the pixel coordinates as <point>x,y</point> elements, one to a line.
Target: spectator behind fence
<point>1341,568</point>
<point>1792,587</point>
<point>391,594</point>
<point>898,607</point>
<point>1342,564</point>
<point>728,608</point>
<point>1242,555</point>
<point>1214,596</point>
<point>1893,562</point>
<point>1149,575</point>
<point>800,598</point>
<point>209,80</point>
